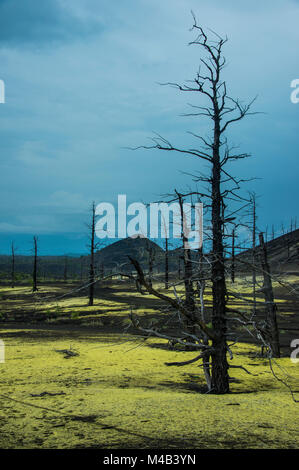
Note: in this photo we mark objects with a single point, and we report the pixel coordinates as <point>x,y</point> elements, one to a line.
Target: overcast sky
<point>81,81</point>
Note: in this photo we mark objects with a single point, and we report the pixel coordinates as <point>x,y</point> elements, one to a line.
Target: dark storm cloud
<point>71,111</point>
<point>24,22</point>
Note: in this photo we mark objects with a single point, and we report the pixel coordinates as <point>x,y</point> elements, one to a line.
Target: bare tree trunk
<point>188,271</point>
<point>65,269</point>
<point>200,271</point>
<point>166,264</point>
<point>288,246</point>
<point>253,252</point>
<point>220,379</point>
<point>271,307</point>
<point>12,265</point>
<point>233,257</point>
<point>179,268</point>
<point>34,275</point>
<point>151,257</point>
<point>81,269</point>
<point>206,355</point>
<point>92,250</point>
<point>200,261</point>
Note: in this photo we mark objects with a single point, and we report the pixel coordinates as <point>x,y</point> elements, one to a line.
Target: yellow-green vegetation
<point>56,305</point>
<point>118,393</point>
<point>64,385</point>
<point>60,303</point>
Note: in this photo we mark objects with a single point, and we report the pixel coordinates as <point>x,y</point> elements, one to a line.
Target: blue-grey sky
<point>81,81</point>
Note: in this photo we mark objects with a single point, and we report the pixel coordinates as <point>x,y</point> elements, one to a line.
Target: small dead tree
<point>65,270</point>
<point>270,305</point>
<point>179,266</point>
<point>92,247</point>
<point>200,262</point>
<point>81,267</point>
<point>12,265</point>
<point>233,266</point>
<point>151,257</point>
<point>288,244</point>
<point>253,259</point>
<point>34,274</point>
<point>165,233</point>
<point>166,279</point>
<point>188,270</point>
<point>266,234</point>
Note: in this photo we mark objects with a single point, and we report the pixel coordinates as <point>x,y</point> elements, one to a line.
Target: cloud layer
<point>81,82</point>
<point>39,22</point>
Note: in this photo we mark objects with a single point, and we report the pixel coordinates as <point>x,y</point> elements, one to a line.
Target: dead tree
<point>166,254</point>
<point>288,244</point>
<point>151,258</point>
<point>34,274</point>
<point>266,234</point>
<point>12,265</point>
<point>188,271</point>
<point>253,260</point>
<point>222,111</point>
<point>233,256</point>
<point>81,267</point>
<point>292,225</point>
<point>179,267</point>
<point>200,271</point>
<point>65,270</point>
<point>92,247</point>
<point>166,279</point>
<point>271,308</point>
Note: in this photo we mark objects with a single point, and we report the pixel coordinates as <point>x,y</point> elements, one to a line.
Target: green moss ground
<point>117,393</point>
